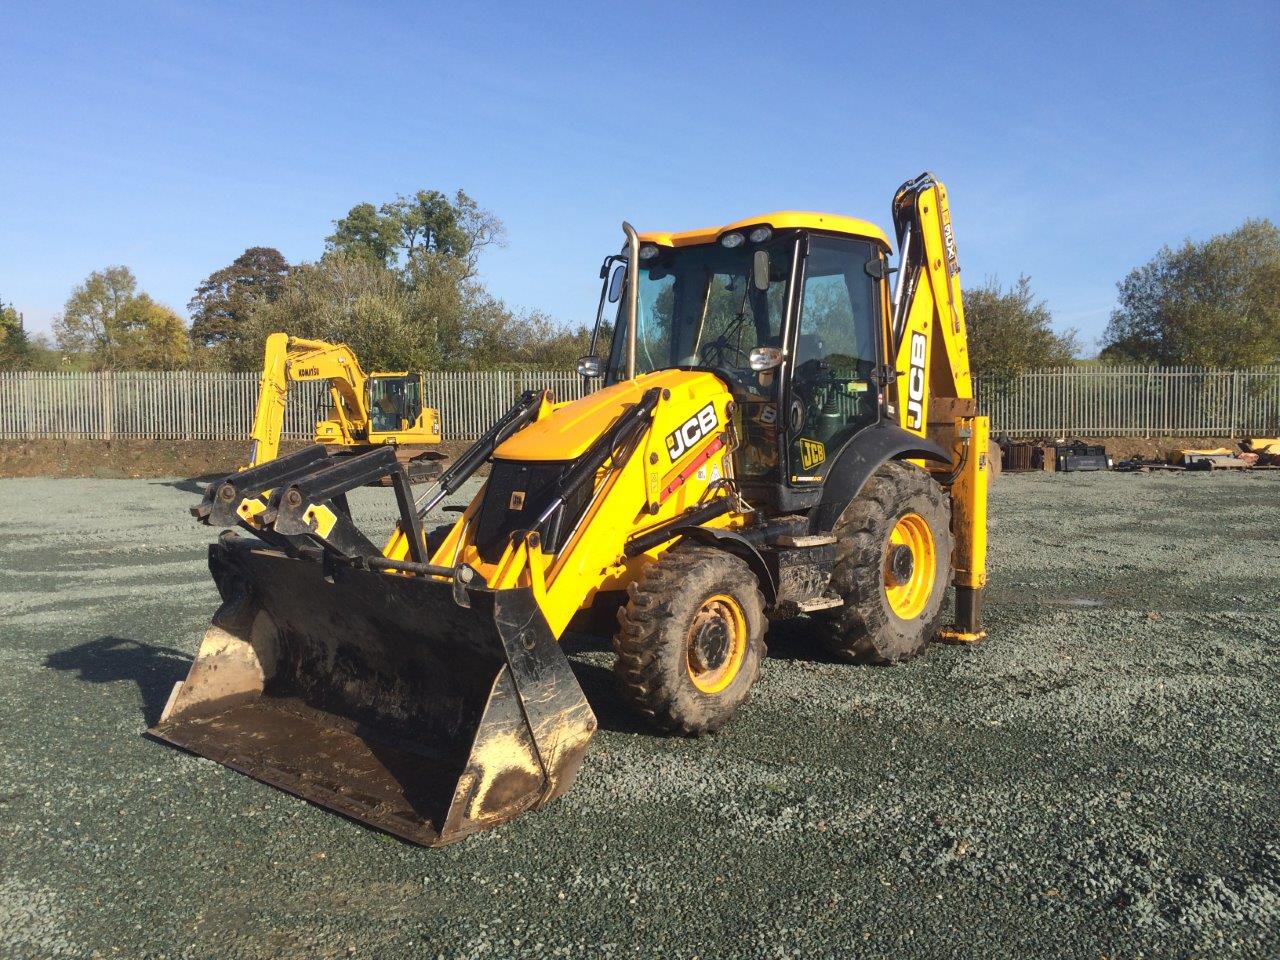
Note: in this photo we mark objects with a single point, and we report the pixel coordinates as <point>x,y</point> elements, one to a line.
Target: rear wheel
<point>691,639</point>
<point>893,558</point>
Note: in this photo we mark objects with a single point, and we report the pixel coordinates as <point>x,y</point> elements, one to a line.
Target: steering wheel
<point>721,353</point>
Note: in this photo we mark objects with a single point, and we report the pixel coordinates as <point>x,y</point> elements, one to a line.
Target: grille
<point>516,495</point>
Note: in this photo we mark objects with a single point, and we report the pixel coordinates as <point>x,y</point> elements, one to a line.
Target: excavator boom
<point>366,410</point>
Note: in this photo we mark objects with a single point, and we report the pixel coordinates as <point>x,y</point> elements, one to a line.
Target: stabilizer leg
<point>969,522</point>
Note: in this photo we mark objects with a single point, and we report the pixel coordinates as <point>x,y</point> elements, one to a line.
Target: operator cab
<point>395,402</point>
<point>789,310</point>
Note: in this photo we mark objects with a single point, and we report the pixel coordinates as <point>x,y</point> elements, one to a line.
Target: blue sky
<point>1075,141</point>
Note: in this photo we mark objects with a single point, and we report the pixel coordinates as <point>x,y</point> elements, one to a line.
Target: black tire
<point>673,627</point>
<point>867,628</point>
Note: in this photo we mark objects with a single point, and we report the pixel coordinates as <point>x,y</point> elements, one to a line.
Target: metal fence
<point>184,405</point>
<point>1084,400</point>
<point>1107,401</point>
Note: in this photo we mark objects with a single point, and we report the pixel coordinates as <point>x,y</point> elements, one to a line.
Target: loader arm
<point>289,359</point>
<point>934,396</point>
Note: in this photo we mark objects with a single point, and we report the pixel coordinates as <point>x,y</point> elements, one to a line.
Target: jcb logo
<point>812,453</point>
<point>949,241</point>
<point>915,381</point>
<point>690,432</point>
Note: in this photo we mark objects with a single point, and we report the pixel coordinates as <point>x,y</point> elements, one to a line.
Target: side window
<point>838,316</point>
<point>836,350</point>
<point>412,400</point>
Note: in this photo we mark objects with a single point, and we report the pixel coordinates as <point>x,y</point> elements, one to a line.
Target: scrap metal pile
<point>1069,456</point>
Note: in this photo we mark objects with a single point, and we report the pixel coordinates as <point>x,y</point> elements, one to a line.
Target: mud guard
<point>858,460</point>
<point>378,696</point>
<point>739,546</point>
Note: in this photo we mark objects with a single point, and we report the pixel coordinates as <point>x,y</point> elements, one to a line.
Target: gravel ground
<point>1098,779</point>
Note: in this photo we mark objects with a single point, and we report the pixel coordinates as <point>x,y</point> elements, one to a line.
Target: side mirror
<point>765,358</point>
<point>590,367</point>
<point>760,270</point>
<point>616,281</point>
<point>878,269</point>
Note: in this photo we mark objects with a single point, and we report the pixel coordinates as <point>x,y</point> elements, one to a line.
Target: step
<point>815,540</point>
<point>819,603</point>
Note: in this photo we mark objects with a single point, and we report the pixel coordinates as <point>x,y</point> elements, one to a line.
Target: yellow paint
<point>778,220</point>
<point>713,680</point>
<point>935,341</point>
<point>812,453</point>
<point>624,504</point>
<point>908,599</point>
<point>249,508</point>
<point>969,502</point>
<point>320,518</point>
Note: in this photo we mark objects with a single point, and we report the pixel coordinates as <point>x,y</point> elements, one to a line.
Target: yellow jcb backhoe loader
<point>365,410</point>
<point>784,429</point>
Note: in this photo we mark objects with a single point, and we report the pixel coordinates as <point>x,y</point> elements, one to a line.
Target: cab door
<point>836,350</point>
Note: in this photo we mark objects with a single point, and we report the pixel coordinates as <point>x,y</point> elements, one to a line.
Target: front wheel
<point>893,560</point>
<point>691,639</point>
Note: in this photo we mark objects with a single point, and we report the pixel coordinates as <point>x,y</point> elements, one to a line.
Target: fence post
<point>107,407</point>
<point>1235,403</point>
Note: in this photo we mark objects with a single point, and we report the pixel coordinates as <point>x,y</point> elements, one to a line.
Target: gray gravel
<point>1098,779</point>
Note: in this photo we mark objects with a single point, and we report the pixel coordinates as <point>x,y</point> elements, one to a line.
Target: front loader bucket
<point>380,696</point>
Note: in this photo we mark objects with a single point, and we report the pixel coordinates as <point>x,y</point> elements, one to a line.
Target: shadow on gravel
<point>599,687</point>
<point>110,659</point>
<point>796,639</point>
<point>191,484</point>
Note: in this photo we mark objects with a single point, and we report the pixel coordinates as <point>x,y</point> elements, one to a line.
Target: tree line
<point>398,282</point>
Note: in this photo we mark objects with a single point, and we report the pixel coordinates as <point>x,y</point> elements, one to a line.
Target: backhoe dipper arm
<point>289,359</point>
<point>934,384</point>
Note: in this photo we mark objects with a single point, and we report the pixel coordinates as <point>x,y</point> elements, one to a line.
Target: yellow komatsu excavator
<point>364,410</point>
<point>786,429</point>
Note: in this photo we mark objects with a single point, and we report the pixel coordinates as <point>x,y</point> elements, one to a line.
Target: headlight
<point>648,251</point>
<point>760,234</point>
<point>732,240</point>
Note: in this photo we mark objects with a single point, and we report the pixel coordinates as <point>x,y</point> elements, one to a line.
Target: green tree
<point>1215,303</point>
<point>449,323</point>
<point>403,231</point>
<point>345,298</point>
<point>223,301</point>
<point>152,337</point>
<point>107,322</point>
<point>92,319</point>
<point>365,233</point>
<point>1011,331</point>
<point>15,345</point>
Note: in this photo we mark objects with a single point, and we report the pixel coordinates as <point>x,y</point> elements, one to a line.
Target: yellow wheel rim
<point>910,566</point>
<point>716,643</point>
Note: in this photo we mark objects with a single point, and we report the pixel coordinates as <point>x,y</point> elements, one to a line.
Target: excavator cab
<point>794,319</point>
<point>395,406</point>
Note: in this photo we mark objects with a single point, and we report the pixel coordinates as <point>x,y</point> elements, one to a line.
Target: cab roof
<point>778,220</point>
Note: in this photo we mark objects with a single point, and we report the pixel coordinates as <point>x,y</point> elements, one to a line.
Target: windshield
<point>698,306</point>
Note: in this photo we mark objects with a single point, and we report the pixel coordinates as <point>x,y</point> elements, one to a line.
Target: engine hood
<point>567,432</point>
